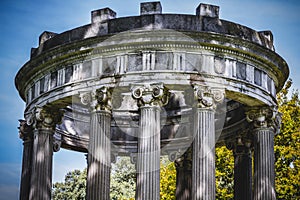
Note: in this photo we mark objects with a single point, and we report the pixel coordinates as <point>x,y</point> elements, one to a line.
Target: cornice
<point>56,57</point>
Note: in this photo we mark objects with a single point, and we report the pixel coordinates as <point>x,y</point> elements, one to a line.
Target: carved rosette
<point>150,94</point>
<point>25,130</point>
<point>264,117</point>
<point>207,97</point>
<point>44,118</point>
<point>85,98</point>
<point>173,155</point>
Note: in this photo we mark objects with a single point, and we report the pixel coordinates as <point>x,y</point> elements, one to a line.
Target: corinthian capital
<point>264,117</point>
<point>207,97</point>
<point>103,98</point>
<point>44,117</point>
<point>150,94</point>
<point>25,130</point>
<point>100,99</point>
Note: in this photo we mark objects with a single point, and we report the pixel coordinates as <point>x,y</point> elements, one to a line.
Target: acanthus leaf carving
<point>25,130</point>
<point>207,97</point>
<point>104,97</point>
<point>264,117</point>
<point>44,117</point>
<point>99,99</point>
<point>155,94</point>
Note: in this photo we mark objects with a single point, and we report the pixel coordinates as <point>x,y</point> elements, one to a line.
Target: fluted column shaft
<point>204,184</point>
<point>264,172</point>
<point>148,159</point>
<point>184,176</point>
<point>99,148</point>
<point>41,178</point>
<point>26,170</point>
<point>26,135</point>
<point>99,157</point>
<point>204,155</point>
<point>242,173</point>
<point>44,121</point>
<point>150,98</point>
<point>265,121</point>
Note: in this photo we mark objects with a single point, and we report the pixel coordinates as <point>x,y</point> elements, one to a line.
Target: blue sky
<point>23,21</point>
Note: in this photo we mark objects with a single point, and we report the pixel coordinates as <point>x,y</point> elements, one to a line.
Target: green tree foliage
<point>224,173</point>
<point>287,165</point>
<point>167,179</point>
<point>122,182</point>
<point>73,188</point>
<point>123,178</point>
<point>287,146</point>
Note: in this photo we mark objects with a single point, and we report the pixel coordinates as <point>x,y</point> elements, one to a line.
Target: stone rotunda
<point>151,85</point>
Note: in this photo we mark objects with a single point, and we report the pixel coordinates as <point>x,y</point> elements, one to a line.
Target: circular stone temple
<point>151,85</point>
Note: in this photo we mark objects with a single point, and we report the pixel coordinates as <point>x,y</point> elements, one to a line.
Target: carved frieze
<point>241,70</point>
<point>219,65</point>
<point>149,61</point>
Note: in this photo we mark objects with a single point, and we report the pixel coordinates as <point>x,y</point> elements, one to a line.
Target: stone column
<point>265,122</point>
<point>44,121</point>
<point>26,135</point>
<point>203,173</point>
<point>242,169</point>
<point>150,99</point>
<point>184,175</point>
<point>99,149</point>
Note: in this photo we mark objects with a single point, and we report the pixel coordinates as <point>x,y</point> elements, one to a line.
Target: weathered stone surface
<point>264,170</point>
<point>46,35</point>
<point>99,157</point>
<point>241,71</point>
<point>99,149</point>
<point>103,15</point>
<point>149,8</point>
<point>71,70</point>
<point>265,123</point>
<point>242,172</point>
<point>26,134</point>
<point>208,10</point>
<point>184,175</point>
<point>150,99</point>
<point>203,186</point>
<point>203,171</point>
<point>43,121</point>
